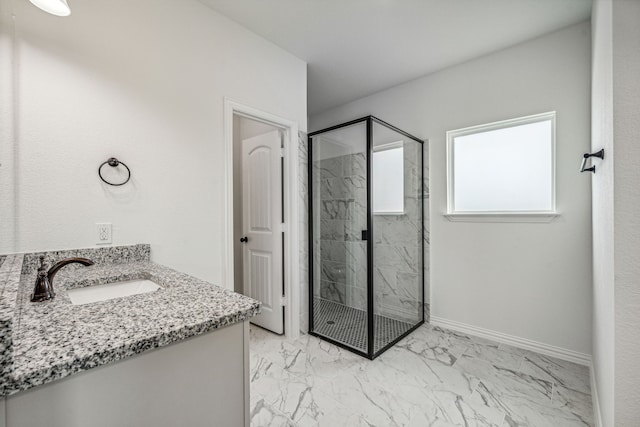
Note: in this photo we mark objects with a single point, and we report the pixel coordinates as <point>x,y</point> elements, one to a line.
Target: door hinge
<point>282,152</point>
<point>283,227</point>
<point>283,300</point>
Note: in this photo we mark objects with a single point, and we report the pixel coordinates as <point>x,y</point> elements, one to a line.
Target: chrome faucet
<point>44,282</point>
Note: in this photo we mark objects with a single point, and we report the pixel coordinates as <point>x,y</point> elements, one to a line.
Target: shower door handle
<point>365,234</point>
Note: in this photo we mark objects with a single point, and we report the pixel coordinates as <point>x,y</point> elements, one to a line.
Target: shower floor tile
<point>349,325</point>
<point>431,377</point>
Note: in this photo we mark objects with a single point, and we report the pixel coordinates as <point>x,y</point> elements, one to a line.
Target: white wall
<point>616,203</point>
<point>7,146</point>
<point>143,81</point>
<point>527,280</point>
<point>626,123</point>
<point>602,188</point>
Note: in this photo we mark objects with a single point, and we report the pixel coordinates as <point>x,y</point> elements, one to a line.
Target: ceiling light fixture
<point>54,7</point>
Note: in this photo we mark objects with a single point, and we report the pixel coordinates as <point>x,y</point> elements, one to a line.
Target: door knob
<point>244,239</point>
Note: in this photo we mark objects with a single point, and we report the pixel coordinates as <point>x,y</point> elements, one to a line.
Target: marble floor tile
<point>529,414</point>
<point>434,377</point>
<point>263,414</point>
<point>381,395</point>
<point>523,412</point>
<point>321,359</point>
<point>339,416</point>
<point>503,381</point>
<point>453,409</point>
<point>573,401</point>
<point>299,400</point>
<point>433,344</point>
<point>431,375</point>
<point>267,378</point>
<point>567,374</point>
<point>491,352</point>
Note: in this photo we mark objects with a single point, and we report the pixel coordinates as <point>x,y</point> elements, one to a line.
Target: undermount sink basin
<point>109,291</point>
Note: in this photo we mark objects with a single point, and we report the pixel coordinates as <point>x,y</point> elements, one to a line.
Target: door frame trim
<point>290,197</point>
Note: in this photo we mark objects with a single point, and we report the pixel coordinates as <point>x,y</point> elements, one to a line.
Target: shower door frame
<point>370,353</point>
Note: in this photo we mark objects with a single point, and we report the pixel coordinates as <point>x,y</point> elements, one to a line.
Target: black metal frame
<point>370,120</point>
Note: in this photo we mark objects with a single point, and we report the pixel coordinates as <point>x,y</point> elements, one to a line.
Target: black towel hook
<point>599,154</point>
<point>113,162</point>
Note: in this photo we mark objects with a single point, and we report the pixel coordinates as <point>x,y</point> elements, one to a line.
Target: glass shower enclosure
<point>366,234</point>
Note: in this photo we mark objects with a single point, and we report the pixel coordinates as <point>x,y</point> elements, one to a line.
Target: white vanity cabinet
<point>197,382</point>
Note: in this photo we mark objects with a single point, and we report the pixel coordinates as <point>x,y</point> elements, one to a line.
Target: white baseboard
<point>597,416</point>
<point>512,340</point>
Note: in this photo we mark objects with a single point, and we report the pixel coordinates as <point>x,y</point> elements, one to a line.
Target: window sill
<point>503,217</point>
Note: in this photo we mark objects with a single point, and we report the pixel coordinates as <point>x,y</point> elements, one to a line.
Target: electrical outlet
<point>104,233</point>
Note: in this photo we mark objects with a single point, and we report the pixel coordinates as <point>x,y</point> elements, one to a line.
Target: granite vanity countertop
<point>54,339</point>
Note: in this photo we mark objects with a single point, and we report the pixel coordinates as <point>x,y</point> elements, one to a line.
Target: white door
<point>262,227</point>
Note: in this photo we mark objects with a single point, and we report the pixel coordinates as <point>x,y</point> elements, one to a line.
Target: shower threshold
<point>348,325</point>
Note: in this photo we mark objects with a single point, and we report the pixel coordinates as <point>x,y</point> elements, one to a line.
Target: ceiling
<point>358,47</point>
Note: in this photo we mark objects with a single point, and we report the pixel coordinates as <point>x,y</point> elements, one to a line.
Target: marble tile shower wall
<point>342,217</point>
<point>397,249</point>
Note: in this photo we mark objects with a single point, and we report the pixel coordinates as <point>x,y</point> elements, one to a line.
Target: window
<point>503,169</point>
<point>388,179</point>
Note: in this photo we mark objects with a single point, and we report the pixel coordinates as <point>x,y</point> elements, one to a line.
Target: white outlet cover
<point>103,233</point>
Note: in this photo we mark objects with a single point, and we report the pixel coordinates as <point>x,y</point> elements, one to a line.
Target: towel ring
<point>113,162</point>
